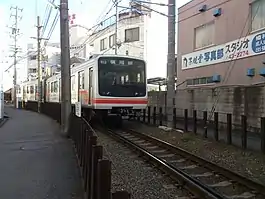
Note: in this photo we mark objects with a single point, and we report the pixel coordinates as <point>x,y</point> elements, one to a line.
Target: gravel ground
<point>133,174</point>
<point>246,163</point>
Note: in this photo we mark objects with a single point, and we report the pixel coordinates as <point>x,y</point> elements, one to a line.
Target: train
<point>109,85</point>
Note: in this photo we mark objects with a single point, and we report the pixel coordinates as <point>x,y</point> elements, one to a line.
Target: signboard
<point>78,109</point>
<point>244,47</point>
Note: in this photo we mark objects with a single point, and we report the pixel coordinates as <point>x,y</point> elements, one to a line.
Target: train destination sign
<point>120,62</point>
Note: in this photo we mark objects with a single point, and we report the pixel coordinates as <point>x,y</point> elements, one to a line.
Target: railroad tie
<point>221,184</point>
<point>152,147</point>
<point>189,167</point>
<point>170,155</point>
<point>177,161</point>
<point>206,174</point>
<point>140,141</point>
<point>244,195</point>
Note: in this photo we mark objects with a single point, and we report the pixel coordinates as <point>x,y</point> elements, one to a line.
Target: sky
<point>87,12</point>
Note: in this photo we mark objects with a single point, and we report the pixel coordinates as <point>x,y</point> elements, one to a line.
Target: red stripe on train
<point>120,101</point>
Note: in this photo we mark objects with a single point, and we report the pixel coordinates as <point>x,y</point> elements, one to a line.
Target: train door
<point>37,92</point>
<point>48,92</point>
<point>59,84</point>
<point>90,88</point>
<point>81,86</point>
<point>78,87</point>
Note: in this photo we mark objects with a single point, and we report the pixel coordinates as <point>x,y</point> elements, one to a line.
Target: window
<point>196,81</point>
<point>112,40</point>
<point>189,82</point>
<point>52,87</point>
<point>200,81</point>
<point>132,35</point>
<point>203,80</point>
<point>31,89</point>
<point>56,86</point>
<point>81,80</point>
<point>258,15</point>
<point>204,35</point>
<point>73,82</point>
<point>103,44</point>
<point>33,57</point>
<point>209,80</point>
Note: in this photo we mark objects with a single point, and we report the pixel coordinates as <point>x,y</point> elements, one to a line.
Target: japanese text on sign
<point>241,48</point>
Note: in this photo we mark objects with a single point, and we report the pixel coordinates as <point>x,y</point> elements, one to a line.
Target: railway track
<point>202,178</point>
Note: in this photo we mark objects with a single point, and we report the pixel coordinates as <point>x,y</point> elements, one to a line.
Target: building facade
<point>131,36</point>
<point>221,42</point>
<point>50,60</point>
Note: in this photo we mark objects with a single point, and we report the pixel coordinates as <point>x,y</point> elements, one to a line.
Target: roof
<point>157,81</point>
<point>75,60</point>
<point>8,91</point>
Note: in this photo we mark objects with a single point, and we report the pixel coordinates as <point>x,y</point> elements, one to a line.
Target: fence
<point>202,125</point>
<point>95,171</point>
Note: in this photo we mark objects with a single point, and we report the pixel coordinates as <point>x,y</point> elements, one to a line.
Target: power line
<point>45,23</point>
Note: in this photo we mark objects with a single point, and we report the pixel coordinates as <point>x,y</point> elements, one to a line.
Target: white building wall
<point>136,48</point>
<point>53,53</point>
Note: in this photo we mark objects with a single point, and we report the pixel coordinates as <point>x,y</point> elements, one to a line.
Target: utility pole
<point>171,60</point>
<point>39,66</point>
<point>39,39</point>
<point>15,33</point>
<point>65,68</point>
<point>116,27</point>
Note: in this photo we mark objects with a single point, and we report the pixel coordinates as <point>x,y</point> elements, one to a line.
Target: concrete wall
<point>238,101</point>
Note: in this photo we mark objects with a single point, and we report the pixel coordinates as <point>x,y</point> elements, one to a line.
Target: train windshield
<point>121,77</point>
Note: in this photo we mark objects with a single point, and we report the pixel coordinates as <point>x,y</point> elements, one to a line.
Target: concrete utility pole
<point>65,68</point>
<point>171,61</point>
<point>39,66</point>
<point>39,39</point>
<point>15,33</point>
<point>116,27</point>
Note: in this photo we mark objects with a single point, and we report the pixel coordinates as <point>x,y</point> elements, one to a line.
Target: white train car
<point>28,91</point>
<point>53,89</point>
<point>109,84</point>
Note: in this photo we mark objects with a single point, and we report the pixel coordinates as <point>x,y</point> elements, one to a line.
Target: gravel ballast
<point>246,163</point>
<point>133,174</point>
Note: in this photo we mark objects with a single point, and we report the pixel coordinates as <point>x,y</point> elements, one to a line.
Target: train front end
<point>122,85</point>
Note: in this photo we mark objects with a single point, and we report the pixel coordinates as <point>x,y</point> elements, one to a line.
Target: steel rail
<point>193,185</point>
<point>201,161</point>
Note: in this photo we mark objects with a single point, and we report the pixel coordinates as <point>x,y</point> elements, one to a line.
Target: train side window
<point>31,89</point>
<point>52,87</point>
<point>56,86</point>
<point>48,87</point>
<point>73,82</point>
<point>81,80</point>
<point>27,89</point>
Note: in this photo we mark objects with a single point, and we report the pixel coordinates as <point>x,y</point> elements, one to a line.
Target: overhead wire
<point>45,23</point>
